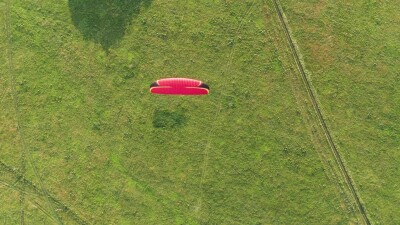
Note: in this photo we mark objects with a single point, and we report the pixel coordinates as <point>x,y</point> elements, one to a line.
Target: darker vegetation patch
<point>104,21</point>
<point>168,119</point>
<point>230,102</point>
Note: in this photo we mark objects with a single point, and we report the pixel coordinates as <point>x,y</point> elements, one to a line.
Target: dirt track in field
<point>34,191</point>
<point>339,161</point>
<point>25,155</point>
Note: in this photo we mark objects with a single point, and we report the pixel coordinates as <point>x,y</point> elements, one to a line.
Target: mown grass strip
<point>329,138</point>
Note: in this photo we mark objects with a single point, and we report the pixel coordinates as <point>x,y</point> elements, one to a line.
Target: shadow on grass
<point>168,119</point>
<point>104,21</point>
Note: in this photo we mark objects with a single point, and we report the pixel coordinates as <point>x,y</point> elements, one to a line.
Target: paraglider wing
<point>179,86</point>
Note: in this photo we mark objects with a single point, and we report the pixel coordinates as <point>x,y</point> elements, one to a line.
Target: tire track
<point>307,112</point>
<point>321,119</point>
<point>8,186</point>
<point>34,189</point>
<point>15,103</point>
<point>25,153</point>
<point>14,187</point>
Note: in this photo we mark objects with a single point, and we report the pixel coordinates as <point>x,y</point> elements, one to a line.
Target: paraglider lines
<point>321,119</point>
<point>210,132</point>
<point>25,153</point>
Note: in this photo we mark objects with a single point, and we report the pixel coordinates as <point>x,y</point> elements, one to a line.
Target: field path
<point>32,189</point>
<point>25,154</point>
<point>15,102</point>
<point>321,119</point>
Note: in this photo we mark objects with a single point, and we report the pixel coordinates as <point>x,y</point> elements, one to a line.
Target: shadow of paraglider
<point>104,21</point>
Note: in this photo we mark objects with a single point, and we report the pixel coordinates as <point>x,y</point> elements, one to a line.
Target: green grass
<point>104,21</point>
<point>109,152</point>
<point>351,50</point>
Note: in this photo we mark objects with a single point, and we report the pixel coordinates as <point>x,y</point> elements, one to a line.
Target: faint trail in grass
<point>25,153</point>
<point>204,167</point>
<point>318,111</point>
<point>15,102</point>
<point>306,110</point>
<point>9,186</point>
<point>164,200</point>
<point>3,95</point>
<point>34,189</point>
<point>14,187</point>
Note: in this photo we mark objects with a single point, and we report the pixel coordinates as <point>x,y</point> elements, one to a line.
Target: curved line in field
<point>3,95</point>
<point>199,203</point>
<point>15,188</point>
<point>8,186</point>
<point>25,153</point>
<point>317,109</point>
<point>37,191</point>
<point>15,103</point>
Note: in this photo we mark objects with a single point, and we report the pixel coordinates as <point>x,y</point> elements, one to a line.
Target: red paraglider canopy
<point>179,86</point>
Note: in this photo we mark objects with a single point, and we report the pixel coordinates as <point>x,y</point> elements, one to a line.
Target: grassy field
<point>351,50</point>
<point>82,141</point>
